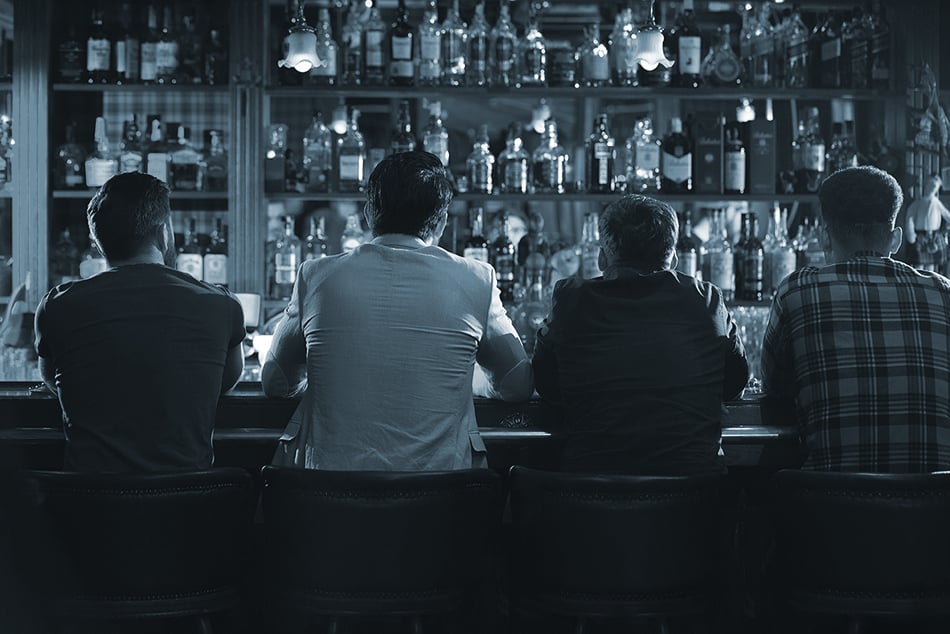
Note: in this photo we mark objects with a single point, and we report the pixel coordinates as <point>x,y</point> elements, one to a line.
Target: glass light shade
<point>300,50</point>
<point>650,48</point>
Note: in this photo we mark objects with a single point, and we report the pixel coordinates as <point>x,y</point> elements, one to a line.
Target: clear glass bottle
<point>185,164</point>
<point>286,261</point>
<point>780,257</point>
<point>643,159</point>
<point>476,73</point>
<point>374,48</point>
<point>676,162</point>
<point>351,40</point>
<point>328,51</point>
<point>435,138</point>
<point>601,155</point>
<point>157,159</point>
<point>841,150</point>
<point>480,164</point>
<point>688,44</point>
<point>98,50</point>
<point>430,46</point>
<point>514,173</point>
<point>315,244</point>
<point>622,49</point>
<point>131,154</point>
<point>721,66</point>
<point>215,264</point>
<point>402,70</point>
<point>826,42</point>
<point>454,43</point>
<point>595,63</point>
<point>476,247</point>
<point>101,165</point>
<point>148,70</point>
<point>317,155</point>
<point>719,254</point>
<point>166,50</point>
<point>687,248</point>
<point>797,53</point>
<point>190,260</point>
<point>503,49</point>
<point>550,162</point>
<point>69,166</point>
<point>749,261</point>
<point>533,248</point>
<point>590,246</point>
<point>734,161</point>
<point>353,235</point>
<point>808,153</point>
<point>215,167</point>
<point>403,139</point>
<point>532,54</point>
<point>763,49</point>
<point>216,59</point>
<point>503,259</point>
<point>91,261</point>
<point>127,48</point>
<point>351,157</point>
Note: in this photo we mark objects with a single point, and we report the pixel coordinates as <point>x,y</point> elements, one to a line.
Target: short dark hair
<point>127,214</point>
<point>640,231</point>
<point>408,192</point>
<point>859,205</point>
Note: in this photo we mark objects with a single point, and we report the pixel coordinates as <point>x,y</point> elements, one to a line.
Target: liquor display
<point>480,164</point>
<point>189,259</point>
<point>286,261</point>
<point>687,249</point>
<point>476,247</point>
<point>215,260</point>
<point>502,256</point>
<point>549,162</point>
<point>676,163</point>
<point>514,169</point>
<point>600,156</point>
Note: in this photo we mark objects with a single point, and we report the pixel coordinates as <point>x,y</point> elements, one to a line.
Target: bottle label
<point>149,68</point>
<point>476,253</point>
<point>374,48</point>
<point>189,263</point>
<point>92,266</point>
<point>285,268</point>
<point>596,68</point>
<point>98,52</point>
<point>648,156</point>
<point>814,157</point>
<point>430,47</point>
<point>678,169</point>
<point>720,271</point>
<point>73,179</point>
<point>479,177</point>
<point>351,167</point>
<point>216,268</point>
<point>402,48</point>
<point>166,58</point>
<point>831,49</point>
<point>690,54</point>
<point>130,162</point>
<point>158,165</point>
<point>734,176</point>
<point>516,176</point>
<point>98,171</point>
<point>400,68</point>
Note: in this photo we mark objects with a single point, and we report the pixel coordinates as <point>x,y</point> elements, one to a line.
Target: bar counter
<point>248,425</point>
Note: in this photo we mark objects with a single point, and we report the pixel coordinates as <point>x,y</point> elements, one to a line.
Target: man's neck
<point>153,257</point>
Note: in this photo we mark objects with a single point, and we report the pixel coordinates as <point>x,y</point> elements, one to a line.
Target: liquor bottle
<point>353,235</point>
<point>643,159</point>
<point>216,58</point>
<point>374,48</point>
<point>687,251</point>
<point>590,246</point>
<point>64,260</point>
<point>480,164</point>
<point>70,57</point>
<point>529,314</point>
<point>325,73</point>
<point>688,45</point>
<point>435,138</point>
<point>402,71</point>
<point>286,261</point>
<point>351,157</point>
<point>127,48</point>
<point>721,66</point>
<point>622,49</point>
<point>292,172</point>
<point>879,54</point>
<point>676,161</point>
<point>430,46</point>
<point>734,161</point>
<point>563,62</point>
<point>6,150</point>
<point>131,154</point>
<point>149,52</point>
<point>101,165</point>
<point>502,52</point>
<point>351,39</point>
<point>476,73</point>
<point>780,257</point>
<point>719,254</point>
<point>827,42</point>
<point>514,172</point>
<point>749,261</point>
<point>157,160</point>
<point>69,168</point>
<point>91,261</point>
<point>454,43</point>
<point>215,168</point>
<point>503,259</point>
<point>476,247</point>
<point>166,50</point>
<point>550,162</point>
<point>315,244</point>
<point>317,155</point>
<point>403,139</point>
<point>275,158</point>
<point>215,263</point>
<point>808,153</point>
<point>98,50</point>
<point>600,158</point>
<point>797,54</point>
<point>856,41</point>
<point>190,48</point>
<point>189,259</point>
<point>812,253</point>
<point>533,245</point>
<point>763,49</point>
<point>532,54</point>
<point>185,163</point>
<point>841,150</point>
<point>746,38</point>
<point>595,63</point>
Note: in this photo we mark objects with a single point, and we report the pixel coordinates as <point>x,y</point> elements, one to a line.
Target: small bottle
<point>435,138</point>
<point>476,73</point>
<point>590,246</point>
<point>131,155</point>
<point>98,51</point>
<point>328,51</point>
<point>275,158</point>
<point>643,159</point>
<point>315,244</point>
<point>808,153</point>
<point>480,165</point>
<point>185,164</point>
<point>622,48</point>
<point>403,139</point>
<point>719,254</point>
<point>402,70</point>
<point>503,259</point>
<point>351,39</point>
<point>374,48</point>
<point>600,158</point>
<point>532,54</point>
<point>749,261</point>
<point>166,50</point>
<point>215,265</point>
<point>689,48</point>
<point>550,162</point>
<point>148,69</point>
<point>91,261</point>
<point>189,259</point>
<point>504,44</point>
<point>454,41</point>
<point>101,164</point>
<point>286,260</point>
<point>215,166</point>
<point>353,234</point>
<point>677,160</point>
<point>69,166</point>
<point>476,247</point>
<point>687,249</point>
<point>595,64</point>
<point>734,161</point>
<point>157,160</point>
<point>514,173</point>
<point>430,46</point>
<point>317,155</point>
<point>351,157</point>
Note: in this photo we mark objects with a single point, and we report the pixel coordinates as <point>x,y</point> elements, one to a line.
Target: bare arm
<point>284,371</point>
<point>502,356</point>
<point>233,367</point>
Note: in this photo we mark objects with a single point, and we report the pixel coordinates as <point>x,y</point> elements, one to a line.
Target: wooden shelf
<point>86,194</point>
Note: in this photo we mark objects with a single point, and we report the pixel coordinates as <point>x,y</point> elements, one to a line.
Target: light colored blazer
<point>383,342</point>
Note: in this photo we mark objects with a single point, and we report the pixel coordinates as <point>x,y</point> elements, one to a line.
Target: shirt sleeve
<point>545,355</point>
<point>284,372</point>
<point>735,363</point>
<point>40,327</point>
<point>777,374</point>
<point>502,356</point>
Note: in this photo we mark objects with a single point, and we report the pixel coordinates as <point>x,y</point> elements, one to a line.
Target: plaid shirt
<point>863,349</point>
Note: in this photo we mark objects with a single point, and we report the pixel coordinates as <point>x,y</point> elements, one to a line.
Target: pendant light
<point>300,44</point>
<point>650,45</point>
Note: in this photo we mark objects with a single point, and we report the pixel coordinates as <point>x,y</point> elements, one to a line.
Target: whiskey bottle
<point>480,165</point>
<point>403,139</point>
<point>435,138</point>
<point>286,261</point>
<point>719,254</point>
<point>325,73</point>
<point>600,158</point>
<point>532,246</point>
<point>430,46</point>
<point>502,53</point>
<point>68,170</point>
<point>98,50</point>
<point>687,249</point>
<point>190,48</point>
<point>797,54</point>
<point>127,48</point>
<point>734,161</point>
<point>643,159</point>
<point>216,58</point>
<point>101,165</point>
<point>166,50</point>
<point>763,49</point>
<point>476,247</point>
<point>749,261</point>
<point>131,155</point>
<point>595,64</point>
<point>315,243</point>
<point>70,57</point>
<point>532,54</point>
<point>351,39</point>
<point>721,66</point>
<point>401,49</point>
<point>454,42</point>
<point>827,42</point>
<point>215,167</point>
<point>215,262</point>
<point>688,45</point>
<point>189,259</point>
<point>550,162</point>
<point>503,259</point>
<point>185,163</point>
<point>677,160</point>
<point>780,256</point>
<point>317,155</point>
<point>374,48</point>
<point>149,50</point>
<point>351,157</point>
<point>476,73</point>
<point>275,158</point>
<point>808,153</point>
<point>590,246</point>
<point>513,164</point>
<point>622,49</point>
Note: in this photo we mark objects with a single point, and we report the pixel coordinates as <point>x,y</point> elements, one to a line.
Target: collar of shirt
<point>622,270</point>
<point>399,241</point>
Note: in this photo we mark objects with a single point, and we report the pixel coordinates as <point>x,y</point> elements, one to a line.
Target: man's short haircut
<point>639,231</point>
<point>127,213</point>
<point>860,204</point>
<point>410,193</point>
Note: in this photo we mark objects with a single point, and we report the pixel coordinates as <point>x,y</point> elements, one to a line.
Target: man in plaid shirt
<point>862,345</point>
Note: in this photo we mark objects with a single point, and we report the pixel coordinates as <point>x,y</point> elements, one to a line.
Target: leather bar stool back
<point>142,546</point>
<point>612,546</point>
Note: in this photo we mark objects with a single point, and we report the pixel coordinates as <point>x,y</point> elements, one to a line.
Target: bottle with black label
<point>98,51</point>
<point>749,261</point>
<point>734,161</point>
<point>688,45</point>
<point>600,158</point>
<point>677,160</point>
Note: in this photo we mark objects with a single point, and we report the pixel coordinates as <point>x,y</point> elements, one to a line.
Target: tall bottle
<point>476,247</point>
<point>734,161</point>
<point>403,139</point>
<point>595,62</point>
<point>148,69</point>
<point>374,48</point>
<point>189,259</point>
<point>317,155</point>
<point>533,248</point>
<point>315,244</point>
<point>454,42</point>
<point>797,53</point>
<point>351,157</point>
<point>215,176</point>
<point>69,165</point>
<point>286,261</point>
<point>215,263</point>
<point>808,153</point>
<point>190,48</point>
<point>688,44</point>
<point>514,172</point>
<point>590,246</point>
<point>158,159</point>
<point>841,150</point>
<point>529,315</point>
<point>719,254</point>
<point>166,50</point>
<point>550,162</point>
<point>622,49</point>
<point>127,48</point>
<point>480,164</point>
<point>749,261</point>
<point>98,50</point>
<point>643,159</point>
<point>763,49</point>
<point>69,57</point>
<point>780,256</point>
<point>477,69</point>
<point>402,71</point>
<point>216,59</point>
<point>131,154</point>
<point>502,52</point>
<point>185,164</point>
<point>687,249</point>
<point>879,53</point>
<point>532,54</point>
<point>827,42</point>
<point>435,138</point>
<point>503,259</point>
<point>601,155</point>
<point>101,165</point>
<point>351,39</point>
<point>353,235</point>
<point>677,160</point>
<point>328,51</point>
<point>430,46</point>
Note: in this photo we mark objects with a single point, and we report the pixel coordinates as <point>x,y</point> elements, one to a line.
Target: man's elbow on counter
<point>274,382</point>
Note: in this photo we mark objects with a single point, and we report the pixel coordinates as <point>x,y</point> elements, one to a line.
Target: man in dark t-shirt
<point>638,362</point>
<point>139,353</point>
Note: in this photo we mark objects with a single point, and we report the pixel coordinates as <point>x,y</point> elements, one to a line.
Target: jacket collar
<point>399,241</point>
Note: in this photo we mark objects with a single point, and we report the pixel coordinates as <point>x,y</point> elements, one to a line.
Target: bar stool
<point>863,544</point>
<point>379,544</point>
<point>145,546</point>
<point>614,547</point>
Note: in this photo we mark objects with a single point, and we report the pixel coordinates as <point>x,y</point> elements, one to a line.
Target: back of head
<point>859,206</point>
<point>410,193</point>
<point>638,231</point>
<point>127,214</point>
